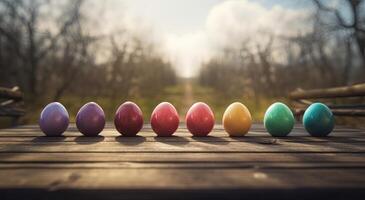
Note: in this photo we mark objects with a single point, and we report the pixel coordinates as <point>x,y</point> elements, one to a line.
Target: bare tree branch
<point>73,19</point>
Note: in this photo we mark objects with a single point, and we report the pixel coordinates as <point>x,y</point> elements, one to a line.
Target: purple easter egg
<point>90,119</point>
<point>54,119</point>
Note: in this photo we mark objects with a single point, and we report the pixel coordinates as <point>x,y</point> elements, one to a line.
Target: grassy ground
<point>181,95</point>
<point>73,103</point>
<point>219,102</point>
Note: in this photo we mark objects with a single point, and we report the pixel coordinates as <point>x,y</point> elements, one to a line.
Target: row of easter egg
<point>279,120</point>
<point>128,119</point>
<point>318,120</point>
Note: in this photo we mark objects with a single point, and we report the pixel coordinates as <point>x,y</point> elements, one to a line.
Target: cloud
<point>234,21</point>
<point>229,24</point>
<point>187,51</point>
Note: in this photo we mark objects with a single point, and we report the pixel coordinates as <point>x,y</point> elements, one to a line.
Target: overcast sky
<point>189,31</point>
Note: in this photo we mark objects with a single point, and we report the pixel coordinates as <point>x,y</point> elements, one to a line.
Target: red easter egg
<point>200,119</point>
<point>128,119</point>
<point>164,119</point>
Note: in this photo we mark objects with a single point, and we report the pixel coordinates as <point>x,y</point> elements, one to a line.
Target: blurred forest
<point>53,58</point>
<point>48,51</point>
<point>331,54</point>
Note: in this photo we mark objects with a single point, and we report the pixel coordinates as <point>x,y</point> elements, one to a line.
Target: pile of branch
<point>303,98</point>
<point>11,101</point>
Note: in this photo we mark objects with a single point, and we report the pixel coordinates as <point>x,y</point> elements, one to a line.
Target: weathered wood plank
<point>179,133</point>
<point>218,166</point>
<point>181,146</point>
<point>183,194</point>
<point>182,127</point>
<point>183,165</point>
<point>54,179</point>
<point>182,157</point>
<point>215,138</point>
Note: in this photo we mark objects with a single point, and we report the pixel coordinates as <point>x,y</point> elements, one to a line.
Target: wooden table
<point>216,167</point>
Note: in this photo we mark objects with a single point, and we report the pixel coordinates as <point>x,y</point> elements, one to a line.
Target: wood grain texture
<point>181,167</point>
<point>159,157</point>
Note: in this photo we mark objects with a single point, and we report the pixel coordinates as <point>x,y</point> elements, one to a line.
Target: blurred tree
<point>20,30</point>
<point>323,57</point>
<point>46,48</point>
<point>350,24</point>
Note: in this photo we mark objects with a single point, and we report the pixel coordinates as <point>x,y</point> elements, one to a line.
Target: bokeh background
<point>111,51</point>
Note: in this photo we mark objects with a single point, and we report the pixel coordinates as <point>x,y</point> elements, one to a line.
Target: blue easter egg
<point>318,120</point>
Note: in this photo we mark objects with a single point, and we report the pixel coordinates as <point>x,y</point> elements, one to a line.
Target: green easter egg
<point>279,120</point>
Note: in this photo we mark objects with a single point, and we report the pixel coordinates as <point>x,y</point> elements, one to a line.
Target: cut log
<point>338,112</point>
<point>11,112</point>
<point>13,93</point>
<point>351,91</point>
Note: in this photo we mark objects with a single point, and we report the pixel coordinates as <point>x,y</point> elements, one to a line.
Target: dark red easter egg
<point>128,119</point>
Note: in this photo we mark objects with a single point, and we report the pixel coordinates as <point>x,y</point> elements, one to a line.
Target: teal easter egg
<point>279,120</point>
<point>318,120</point>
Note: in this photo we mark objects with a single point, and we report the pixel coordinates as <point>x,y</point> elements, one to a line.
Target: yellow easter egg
<point>237,119</point>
